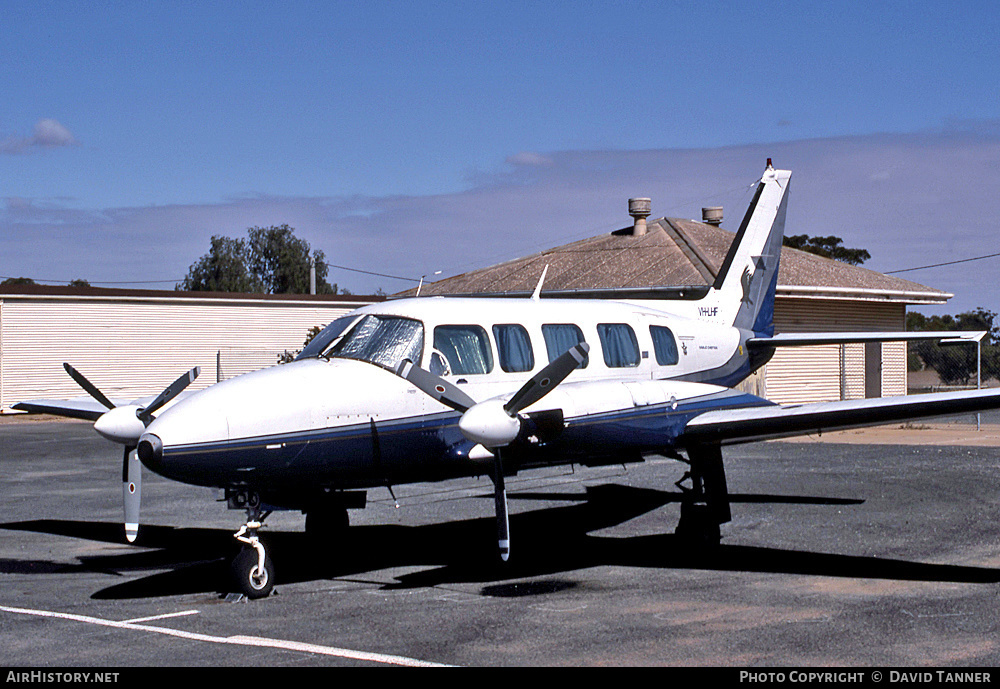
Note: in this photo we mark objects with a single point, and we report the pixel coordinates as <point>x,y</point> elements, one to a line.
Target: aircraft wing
<point>82,408</point>
<point>809,339</point>
<point>733,426</point>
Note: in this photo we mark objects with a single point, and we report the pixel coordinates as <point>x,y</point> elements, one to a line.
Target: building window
<point>559,337</point>
<point>621,349</point>
<point>664,345</point>
<point>514,348</point>
<point>466,347</point>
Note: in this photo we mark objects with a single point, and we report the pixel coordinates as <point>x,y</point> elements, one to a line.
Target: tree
<point>223,269</point>
<point>18,281</point>
<point>79,282</point>
<point>828,247</point>
<point>287,357</point>
<point>281,261</point>
<point>270,260</point>
<point>956,364</point>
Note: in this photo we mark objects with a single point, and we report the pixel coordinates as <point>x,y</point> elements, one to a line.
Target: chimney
<point>639,210</point>
<point>712,216</point>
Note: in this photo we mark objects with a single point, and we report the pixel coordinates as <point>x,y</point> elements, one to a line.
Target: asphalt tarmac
<point>858,553</point>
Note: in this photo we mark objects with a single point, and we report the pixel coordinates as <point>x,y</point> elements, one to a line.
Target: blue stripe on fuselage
<point>421,449</point>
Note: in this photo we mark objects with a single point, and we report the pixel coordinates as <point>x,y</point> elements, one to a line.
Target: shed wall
<point>833,372</point>
<point>133,348</point>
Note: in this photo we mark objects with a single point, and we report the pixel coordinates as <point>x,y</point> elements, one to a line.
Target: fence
<point>948,367</point>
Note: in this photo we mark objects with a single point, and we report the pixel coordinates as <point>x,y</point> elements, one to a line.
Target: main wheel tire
<point>246,577</point>
<point>697,528</point>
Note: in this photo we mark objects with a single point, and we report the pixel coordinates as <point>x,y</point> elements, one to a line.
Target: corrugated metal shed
<point>135,342</point>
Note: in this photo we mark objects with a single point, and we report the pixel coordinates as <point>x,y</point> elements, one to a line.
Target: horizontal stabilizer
<point>732,426</point>
<point>811,339</point>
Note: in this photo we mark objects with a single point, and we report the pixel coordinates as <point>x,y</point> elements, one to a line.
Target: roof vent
<point>639,210</point>
<point>712,216</point>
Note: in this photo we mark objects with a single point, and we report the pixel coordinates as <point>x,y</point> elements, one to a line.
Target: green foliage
<point>281,261</point>
<point>956,364</point>
<point>79,282</point>
<point>828,247</point>
<point>287,357</point>
<point>18,281</point>
<point>225,268</point>
<point>271,260</point>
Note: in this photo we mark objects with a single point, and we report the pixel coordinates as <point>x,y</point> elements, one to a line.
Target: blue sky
<point>410,137</point>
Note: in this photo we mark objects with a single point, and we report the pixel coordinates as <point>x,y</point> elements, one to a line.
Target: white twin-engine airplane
<point>435,388</point>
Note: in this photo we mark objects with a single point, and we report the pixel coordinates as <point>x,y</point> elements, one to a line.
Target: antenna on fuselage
<point>536,295</point>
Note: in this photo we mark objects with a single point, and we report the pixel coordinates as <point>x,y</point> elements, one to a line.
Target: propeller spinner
<point>495,424</point>
<point>124,424</point>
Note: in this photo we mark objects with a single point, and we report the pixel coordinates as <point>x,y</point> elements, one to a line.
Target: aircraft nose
<point>150,450</point>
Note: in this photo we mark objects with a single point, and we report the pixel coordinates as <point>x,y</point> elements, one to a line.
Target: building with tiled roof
<point>672,257</point>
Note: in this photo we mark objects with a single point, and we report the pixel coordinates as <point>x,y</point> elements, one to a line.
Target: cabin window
<point>664,345</point>
<point>514,348</point>
<point>382,340</point>
<point>466,348</point>
<point>327,336</point>
<point>559,337</point>
<point>621,349</point>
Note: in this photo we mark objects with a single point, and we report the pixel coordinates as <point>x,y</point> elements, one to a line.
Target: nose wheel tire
<point>249,578</point>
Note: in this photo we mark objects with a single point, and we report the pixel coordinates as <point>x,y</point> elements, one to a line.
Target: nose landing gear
<point>252,570</point>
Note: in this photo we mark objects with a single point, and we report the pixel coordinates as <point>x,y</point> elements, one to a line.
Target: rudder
<point>745,286</point>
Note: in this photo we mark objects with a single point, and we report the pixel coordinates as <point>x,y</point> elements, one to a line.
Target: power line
<point>151,282</point>
<point>66,282</point>
<point>946,263</point>
<point>368,272</point>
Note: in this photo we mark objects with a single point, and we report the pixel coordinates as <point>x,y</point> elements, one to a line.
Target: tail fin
<point>745,285</point>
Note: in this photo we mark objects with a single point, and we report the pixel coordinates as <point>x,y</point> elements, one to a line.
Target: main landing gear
<point>705,505</point>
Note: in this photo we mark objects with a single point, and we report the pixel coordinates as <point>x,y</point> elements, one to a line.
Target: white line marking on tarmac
<point>232,640</point>
<point>164,616</point>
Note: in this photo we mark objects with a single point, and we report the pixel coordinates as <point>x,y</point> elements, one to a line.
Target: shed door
<point>873,369</point>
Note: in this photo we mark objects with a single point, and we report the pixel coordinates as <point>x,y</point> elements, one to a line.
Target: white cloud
<point>529,159</point>
<point>48,133</point>
<point>938,202</point>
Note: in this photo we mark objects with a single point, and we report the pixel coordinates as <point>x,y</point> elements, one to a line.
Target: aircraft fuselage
<point>346,420</point>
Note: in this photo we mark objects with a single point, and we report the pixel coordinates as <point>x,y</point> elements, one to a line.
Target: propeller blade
<point>88,386</point>
<point>500,500</point>
<point>543,382</point>
<point>131,492</point>
<point>444,392</point>
<point>171,392</point>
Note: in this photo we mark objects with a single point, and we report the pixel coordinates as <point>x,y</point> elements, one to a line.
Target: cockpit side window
<point>326,337</point>
<point>559,337</point>
<point>466,348</point>
<point>664,345</point>
<point>514,348</point>
<point>382,340</point>
<point>621,349</point>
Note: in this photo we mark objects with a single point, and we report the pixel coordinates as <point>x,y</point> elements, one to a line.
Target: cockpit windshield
<point>382,340</point>
<point>326,337</point>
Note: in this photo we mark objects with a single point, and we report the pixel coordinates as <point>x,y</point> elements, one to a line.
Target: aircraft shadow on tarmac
<point>550,541</point>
